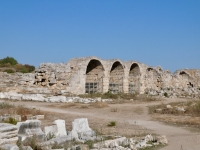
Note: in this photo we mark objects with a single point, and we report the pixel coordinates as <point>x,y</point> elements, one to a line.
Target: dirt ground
<point>132,120</point>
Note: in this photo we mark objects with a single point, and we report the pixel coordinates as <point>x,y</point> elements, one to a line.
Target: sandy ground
<point>132,120</point>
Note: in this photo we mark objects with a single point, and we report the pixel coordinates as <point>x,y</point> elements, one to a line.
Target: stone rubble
<point>81,132</point>
<point>52,99</point>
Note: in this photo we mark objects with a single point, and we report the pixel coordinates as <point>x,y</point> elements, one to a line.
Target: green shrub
<point>90,143</point>
<point>11,121</point>
<point>112,124</point>
<point>9,60</point>
<point>166,94</point>
<point>13,65</point>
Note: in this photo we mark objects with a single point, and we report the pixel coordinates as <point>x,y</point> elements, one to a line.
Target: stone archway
<point>94,77</point>
<point>134,79</point>
<point>116,78</point>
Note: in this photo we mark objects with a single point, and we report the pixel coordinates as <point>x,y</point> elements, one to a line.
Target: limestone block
<point>30,128</point>
<point>181,109</point>
<point>56,99</point>
<point>33,97</point>
<point>26,148</point>
<point>80,126</point>
<point>40,117</point>
<point>148,138</point>
<point>47,145</point>
<point>9,147</point>
<point>169,107</point>
<point>5,95</point>
<point>15,96</point>
<point>141,144</point>
<point>162,139</point>
<point>116,142</point>
<point>61,129</point>
<point>52,80</point>
<point>8,134</point>
<point>51,130</point>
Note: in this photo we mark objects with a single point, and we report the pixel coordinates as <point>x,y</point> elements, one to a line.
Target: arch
<point>94,77</point>
<point>134,78</point>
<point>116,78</point>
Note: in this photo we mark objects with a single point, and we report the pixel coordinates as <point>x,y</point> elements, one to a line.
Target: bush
<point>112,124</point>
<point>11,121</point>
<point>89,143</point>
<point>8,60</point>
<point>9,71</point>
<point>13,66</point>
<point>165,94</point>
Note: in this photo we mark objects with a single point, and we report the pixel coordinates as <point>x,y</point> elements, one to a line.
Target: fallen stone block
<point>30,128</point>
<point>57,129</point>
<point>54,142</point>
<point>162,139</point>
<point>54,99</point>
<point>9,147</point>
<point>33,97</point>
<point>81,130</point>
<point>8,133</point>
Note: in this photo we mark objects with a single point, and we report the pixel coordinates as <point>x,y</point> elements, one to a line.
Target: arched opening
<point>94,77</point>
<point>116,78</point>
<point>134,79</point>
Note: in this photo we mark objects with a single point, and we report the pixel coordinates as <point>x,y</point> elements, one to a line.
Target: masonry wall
<point>92,74</point>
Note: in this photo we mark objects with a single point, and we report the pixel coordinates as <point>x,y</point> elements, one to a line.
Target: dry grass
<point>177,120</point>
<point>138,110</point>
<point>6,108</point>
<point>189,117</point>
<point>99,105</point>
<point>192,108</point>
<point>68,105</point>
<point>148,98</point>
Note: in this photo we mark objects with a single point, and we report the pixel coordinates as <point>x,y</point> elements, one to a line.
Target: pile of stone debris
<point>44,98</point>
<point>27,134</point>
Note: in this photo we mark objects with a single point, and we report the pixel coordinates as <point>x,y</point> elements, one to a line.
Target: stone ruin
<point>29,134</point>
<point>94,75</point>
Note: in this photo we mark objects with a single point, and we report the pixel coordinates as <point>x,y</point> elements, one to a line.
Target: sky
<point>162,33</point>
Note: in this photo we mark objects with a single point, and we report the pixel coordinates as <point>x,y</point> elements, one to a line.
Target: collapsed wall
<point>94,75</point>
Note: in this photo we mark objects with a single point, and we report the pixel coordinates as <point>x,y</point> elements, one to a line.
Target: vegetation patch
<point>99,104</point>
<point>11,65</point>
<point>11,121</point>
<point>6,108</point>
<point>191,108</point>
<point>170,113</point>
<point>112,124</point>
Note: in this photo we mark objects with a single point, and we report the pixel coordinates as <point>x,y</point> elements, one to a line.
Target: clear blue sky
<point>155,32</point>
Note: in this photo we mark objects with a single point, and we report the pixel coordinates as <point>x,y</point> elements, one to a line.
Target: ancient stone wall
<point>92,75</point>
